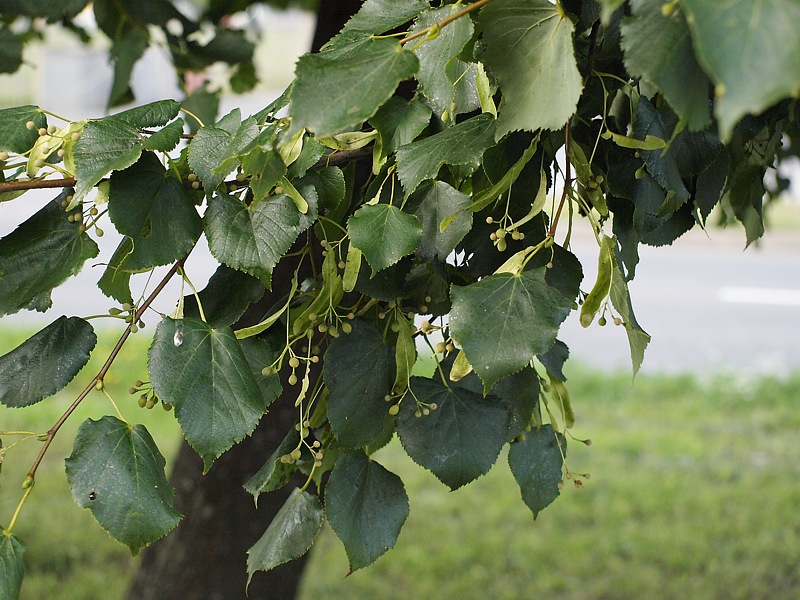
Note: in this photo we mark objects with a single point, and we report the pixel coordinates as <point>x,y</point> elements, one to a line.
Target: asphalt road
<point>708,305</point>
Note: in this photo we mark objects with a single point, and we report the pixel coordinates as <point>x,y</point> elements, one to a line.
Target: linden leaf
<point>536,463</point>
<point>366,506</point>
<point>458,441</point>
<point>359,373</point>
<point>659,48</point>
<point>45,362</point>
<point>117,472</point>
<point>205,374</point>
<point>745,46</point>
<point>290,534</point>
<point>534,38</point>
<point>55,246</point>
<point>251,238</point>
<point>461,144</point>
<point>504,320</point>
<point>331,95</point>
<point>12,567</point>
<point>384,233</point>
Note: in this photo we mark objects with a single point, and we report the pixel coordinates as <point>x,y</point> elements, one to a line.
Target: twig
<point>446,21</point>
<point>592,51</point>
<point>567,183</point>
<point>102,373</point>
<point>36,184</point>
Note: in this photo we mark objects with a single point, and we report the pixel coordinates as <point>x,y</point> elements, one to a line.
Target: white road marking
<point>754,295</point>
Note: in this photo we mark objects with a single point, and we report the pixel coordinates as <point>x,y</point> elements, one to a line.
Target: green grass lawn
<point>693,494</point>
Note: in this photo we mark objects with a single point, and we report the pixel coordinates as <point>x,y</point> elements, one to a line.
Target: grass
<point>692,494</point>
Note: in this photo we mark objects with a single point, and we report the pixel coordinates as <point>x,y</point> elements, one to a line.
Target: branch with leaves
<point>425,219</point>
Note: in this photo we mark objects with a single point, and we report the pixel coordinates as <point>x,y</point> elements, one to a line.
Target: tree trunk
<point>205,557</point>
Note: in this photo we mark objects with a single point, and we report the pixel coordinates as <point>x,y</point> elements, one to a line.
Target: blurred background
<point>693,490</point>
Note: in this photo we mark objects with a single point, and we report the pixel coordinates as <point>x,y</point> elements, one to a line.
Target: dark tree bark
<point>205,557</point>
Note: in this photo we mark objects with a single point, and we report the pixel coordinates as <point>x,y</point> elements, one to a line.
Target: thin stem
<point>439,24</point>
<point>194,292</point>
<point>194,116</point>
<point>567,183</point>
<point>52,114</point>
<point>114,404</point>
<point>104,369</point>
<point>592,50</point>
<point>19,509</point>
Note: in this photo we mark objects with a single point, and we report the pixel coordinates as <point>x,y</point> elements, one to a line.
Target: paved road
<point>707,305</point>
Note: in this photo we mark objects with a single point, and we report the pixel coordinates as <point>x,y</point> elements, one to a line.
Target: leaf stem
<point>19,509</point>
<point>106,366</point>
<point>114,404</point>
<point>439,24</point>
<point>194,292</point>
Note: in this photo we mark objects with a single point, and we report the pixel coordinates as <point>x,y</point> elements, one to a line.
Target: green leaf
<point>127,48</point>
<point>225,298</point>
<point>439,201</point>
<point>45,362</point>
<point>746,196</point>
<point>166,138</point>
<point>115,143</point>
<point>359,373</point>
<point>400,121</point>
<point>105,145</point>
<point>331,95</point>
<point>659,49</point>
<point>203,372</point>
<point>662,165</point>
<point>461,144</point>
<point>377,16</point>
<point>534,38</point>
<point>536,464</point>
<point>290,534</point>
<point>274,474</point>
<point>638,338</point>
<point>329,184</point>
<point>116,471</point>
<point>366,506</point>
<point>55,246</point>
<point>602,286</point>
<point>750,49</point>
<point>251,238</point>
<point>12,567</point>
<point>153,114</point>
<point>149,205</point>
<point>504,320</point>
<point>14,136</point>
<point>444,78</point>
<point>384,233</point>
<point>458,441</point>
<point>11,48</point>
<point>116,281</point>
<point>265,169</point>
<point>213,150</point>
<point>261,352</point>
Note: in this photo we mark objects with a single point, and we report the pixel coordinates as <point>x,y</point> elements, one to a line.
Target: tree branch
<point>439,24</point>
<point>104,369</point>
<point>36,184</point>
